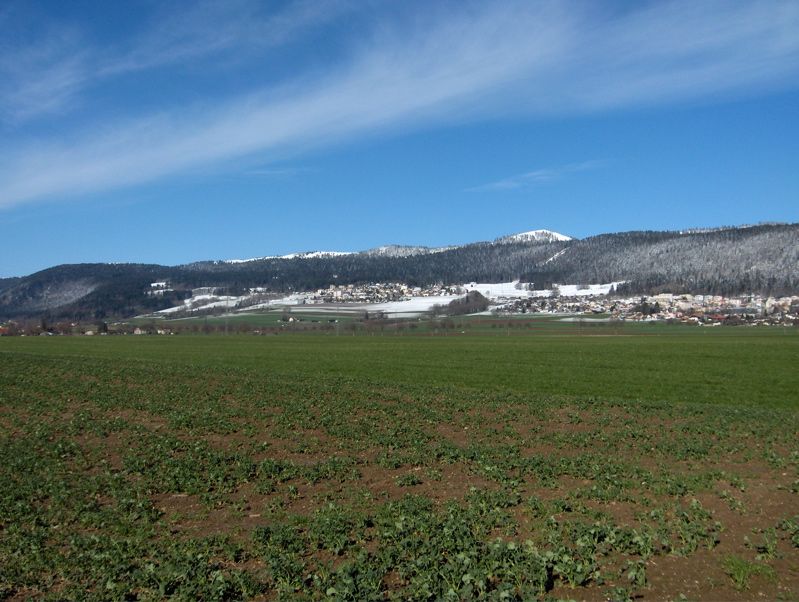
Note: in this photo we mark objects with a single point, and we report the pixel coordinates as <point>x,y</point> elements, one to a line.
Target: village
<point>508,299</point>
<point>588,305</point>
<point>691,309</point>
<point>381,293</point>
<point>575,300</point>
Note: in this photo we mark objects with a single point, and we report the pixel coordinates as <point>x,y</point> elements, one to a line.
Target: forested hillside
<point>483,262</point>
<point>762,259</point>
<point>757,259</point>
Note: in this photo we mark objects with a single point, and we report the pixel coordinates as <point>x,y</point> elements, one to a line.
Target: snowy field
<point>497,293</point>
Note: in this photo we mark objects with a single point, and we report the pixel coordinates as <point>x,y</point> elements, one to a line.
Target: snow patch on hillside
<point>315,254</point>
<point>308,255</point>
<point>404,251</point>
<point>556,255</point>
<point>411,250</point>
<point>535,236</point>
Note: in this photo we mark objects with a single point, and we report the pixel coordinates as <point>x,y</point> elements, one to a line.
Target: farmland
<point>644,466</point>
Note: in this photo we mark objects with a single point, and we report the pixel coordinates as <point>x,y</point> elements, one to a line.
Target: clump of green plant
<point>791,528</point>
<point>767,548</point>
<point>619,594</point>
<point>433,474</point>
<point>535,508</point>
<point>408,479</point>
<point>636,573</point>
<point>734,504</point>
<point>740,570</point>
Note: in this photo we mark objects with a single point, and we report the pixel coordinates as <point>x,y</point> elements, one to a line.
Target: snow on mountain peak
<point>404,250</point>
<point>410,250</point>
<point>535,236</point>
<point>307,255</point>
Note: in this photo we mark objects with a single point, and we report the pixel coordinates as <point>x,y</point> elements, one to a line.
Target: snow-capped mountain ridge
<point>534,236</point>
<point>411,250</point>
<point>306,255</point>
<point>404,250</point>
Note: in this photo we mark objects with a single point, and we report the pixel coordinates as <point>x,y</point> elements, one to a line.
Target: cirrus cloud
<point>455,63</point>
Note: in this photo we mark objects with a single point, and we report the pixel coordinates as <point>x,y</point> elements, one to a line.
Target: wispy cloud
<point>214,28</point>
<point>538,176</point>
<point>278,172</point>
<point>38,74</point>
<point>470,61</point>
<point>49,69</point>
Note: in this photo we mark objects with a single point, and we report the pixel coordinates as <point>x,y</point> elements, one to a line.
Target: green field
<point>492,465</point>
<point>727,366</point>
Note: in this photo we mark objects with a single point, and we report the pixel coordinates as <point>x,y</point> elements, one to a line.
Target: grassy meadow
<point>655,464</point>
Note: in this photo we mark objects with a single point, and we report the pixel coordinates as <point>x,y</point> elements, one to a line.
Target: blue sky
<point>171,132</point>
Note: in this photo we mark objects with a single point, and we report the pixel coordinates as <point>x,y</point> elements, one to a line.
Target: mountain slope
<point>535,236</point>
<point>752,259</point>
<point>763,258</point>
